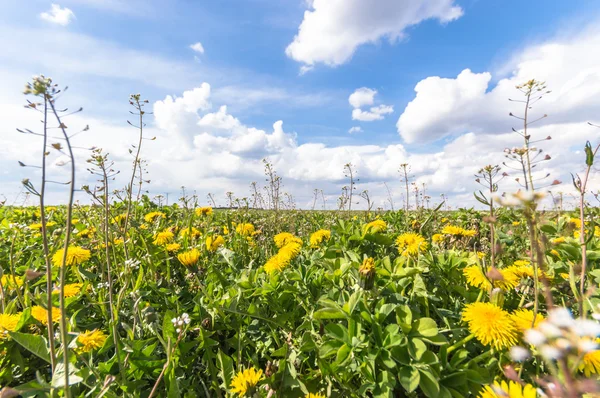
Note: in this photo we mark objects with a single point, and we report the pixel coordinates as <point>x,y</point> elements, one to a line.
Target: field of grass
<point>191,302</point>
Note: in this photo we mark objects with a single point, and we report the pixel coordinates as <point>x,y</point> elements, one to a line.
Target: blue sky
<point>108,49</point>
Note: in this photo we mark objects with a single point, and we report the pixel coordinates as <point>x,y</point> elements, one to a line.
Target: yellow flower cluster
<point>173,247</point>
<point>87,233</point>
<point>245,381</point>
<point>9,282</point>
<point>41,314</point>
<point>511,389</point>
<point>214,242</point>
<point>8,323</point>
<point>71,290</point>
<point>523,319</point>
<point>189,258</point>
<point>476,278</point>
<point>458,231</point>
<point>90,340</point>
<point>375,227</point>
<point>411,244</point>
<point>245,229</point>
<point>75,256</point>
<point>162,238</point>
<point>204,211</point>
<point>153,215</point>
<point>367,267</point>
<point>590,364</point>
<point>193,232</point>
<point>285,255</point>
<point>283,238</point>
<point>490,324</point>
<point>38,226</point>
<point>318,237</point>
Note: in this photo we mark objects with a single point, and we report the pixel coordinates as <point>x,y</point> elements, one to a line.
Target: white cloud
<point>375,113</point>
<point>366,96</point>
<point>361,97</point>
<point>58,15</point>
<point>355,129</point>
<point>197,47</point>
<point>332,29</point>
<point>569,66</point>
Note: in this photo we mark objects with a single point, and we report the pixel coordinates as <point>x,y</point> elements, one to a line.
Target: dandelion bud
<point>366,273</point>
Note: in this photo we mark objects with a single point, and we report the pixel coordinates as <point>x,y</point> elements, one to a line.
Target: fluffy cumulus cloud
<point>332,29</point>
<point>355,130</point>
<point>366,96</point>
<point>198,47</point>
<point>469,103</point>
<point>58,15</point>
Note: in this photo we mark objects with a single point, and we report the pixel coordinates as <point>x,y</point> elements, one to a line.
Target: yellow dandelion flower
<point>511,389</point>
<point>576,222</point>
<point>284,257</point>
<point>565,276</point>
<point>173,247</point>
<point>144,226</point>
<point>444,220</point>
<point>245,229</point>
<point>75,256</point>
<point>245,381</point>
<point>555,253</point>
<point>204,211</point>
<point>458,231</point>
<point>119,219</point>
<point>164,237</point>
<point>189,258</point>
<point>559,240</point>
<point>590,364</point>
<point>193,232</point>
<point>318,237</point>
<point>282,238</point>
<point>8,323</point>
<point>314,395</point>
<point>89,341</point>
<point>375,227</point>
<point>35,226</point>
<point>367,267</point>
<point>523,319</point>
<point>10,283</point>
<point>41,314</point>
<point>437,238</point>
<point>225,231</point>
<point>214,242</point>
<point>87,232</point>
<point>118,241</point>
<point>71,290</point>
<point>516,223</point>
<point>153,215</point>
<point>411,244</point>
<point>476,278</point>
<point>490,324</point>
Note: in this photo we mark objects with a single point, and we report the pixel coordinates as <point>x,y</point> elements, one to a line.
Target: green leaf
<point>58,379</point>
<point>342,354</point>
<point>33,343</point>
<point>426,327</point>
<point>338,332</point>
<point>352,302</point>
<point>429,384</point>
<point>225,365</point>
<point>409,378</point>
<point>416,348</point>
<point>548,228</point>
